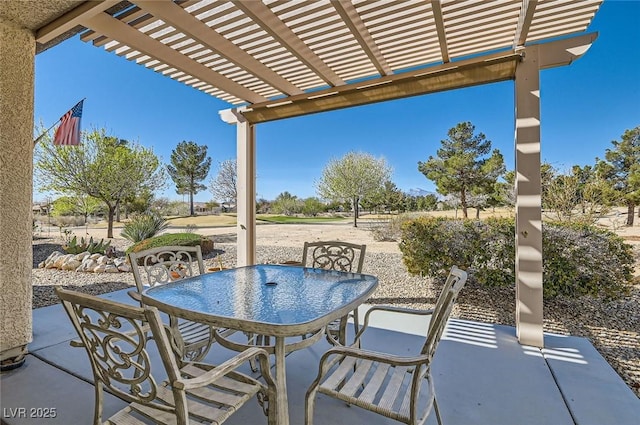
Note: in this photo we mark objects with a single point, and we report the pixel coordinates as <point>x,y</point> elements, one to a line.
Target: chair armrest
<point>375,356</point>
<point>226,367</point>
<point>135,295</point>
<point>388,309</point>
<point>76,343</point>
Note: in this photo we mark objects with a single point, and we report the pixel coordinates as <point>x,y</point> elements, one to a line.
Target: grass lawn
<point>203,220</point>
<point>283,219</point>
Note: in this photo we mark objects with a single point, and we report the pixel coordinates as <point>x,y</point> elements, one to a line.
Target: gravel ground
<point>612,326</point>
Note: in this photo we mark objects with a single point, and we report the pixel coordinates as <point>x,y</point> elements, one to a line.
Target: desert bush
<point>143,226</point>
<point>173,239</point>
<point>66,221</point>
<point>389,229</point>
<point>191,228</point>
<point>579,259</point>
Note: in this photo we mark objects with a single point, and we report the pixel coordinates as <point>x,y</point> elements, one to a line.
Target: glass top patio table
<point>270,299</point>
<point>274,300</point>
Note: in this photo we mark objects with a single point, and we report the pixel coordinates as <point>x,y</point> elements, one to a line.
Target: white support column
<point>246,203</point>
<point>528,191</point>
<point>17,52</point>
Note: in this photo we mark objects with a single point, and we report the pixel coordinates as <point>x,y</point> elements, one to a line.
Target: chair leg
<point>257,340</point>
<point>435,407</point>
<point>356,324</point>
<point>97,412</point>
<point>309,405</point>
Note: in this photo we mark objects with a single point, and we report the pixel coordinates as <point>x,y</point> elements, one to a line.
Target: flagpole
<point>54,124</point>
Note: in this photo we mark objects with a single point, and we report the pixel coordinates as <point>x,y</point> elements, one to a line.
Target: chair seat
<point>379,387</point>
<point>209,404</point>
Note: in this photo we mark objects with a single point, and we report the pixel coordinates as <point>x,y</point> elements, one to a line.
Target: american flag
<point>68,133</point>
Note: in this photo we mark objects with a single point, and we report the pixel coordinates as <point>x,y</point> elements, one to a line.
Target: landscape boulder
<point>85,262</point>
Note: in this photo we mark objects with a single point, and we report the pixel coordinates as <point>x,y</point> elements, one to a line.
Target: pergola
<point>276,59</point>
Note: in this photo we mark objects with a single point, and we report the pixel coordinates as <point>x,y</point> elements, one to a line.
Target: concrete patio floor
<point>482,376</point>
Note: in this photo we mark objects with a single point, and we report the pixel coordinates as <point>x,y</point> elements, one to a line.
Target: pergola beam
<point>72,19</point>
<point>177,17</point>
<point>484,70</point>
<point>269,21</point>
<point>436,7</point>
<point>113,28</point>
<point>524,22</point>
<point>349,15</point>
<point>566,51</point>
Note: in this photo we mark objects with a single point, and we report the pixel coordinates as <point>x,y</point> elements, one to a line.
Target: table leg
<point>281,383</point>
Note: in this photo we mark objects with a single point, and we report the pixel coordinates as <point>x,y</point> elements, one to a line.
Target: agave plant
<point>143,226</point>
<point>75,247</point>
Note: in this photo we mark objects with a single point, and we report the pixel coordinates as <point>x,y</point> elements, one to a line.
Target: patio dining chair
<point>340,256</point>
<point>167,264</point>
<point>116,338</point>
<point>387,384</point>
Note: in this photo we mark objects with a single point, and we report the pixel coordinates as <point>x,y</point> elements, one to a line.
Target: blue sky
<point>584,107</point>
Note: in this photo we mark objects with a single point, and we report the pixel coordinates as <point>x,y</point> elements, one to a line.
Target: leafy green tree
<point>392,198</point>
<point>286,203</point>
<point>354,177</point>
<point>211,205</point>
<point>189,166</point>
<point>224,185</point>
<point>80,204</point>
<point>102,167</point>
<point>462,166</point>
<point>312,206</point>
<point>622,173</point>
<point>138,203</point>
<point>427,202</point>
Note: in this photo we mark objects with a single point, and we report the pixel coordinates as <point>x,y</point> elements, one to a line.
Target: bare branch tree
<point>224,185</point>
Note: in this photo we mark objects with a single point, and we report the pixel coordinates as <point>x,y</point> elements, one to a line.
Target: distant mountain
<point>421,192</point>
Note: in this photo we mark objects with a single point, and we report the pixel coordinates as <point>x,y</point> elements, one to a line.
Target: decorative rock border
<point>85,262</point>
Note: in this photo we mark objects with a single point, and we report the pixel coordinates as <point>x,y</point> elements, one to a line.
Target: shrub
<point>579,259</point>
<point>66,221</point>
<point>389,229</point>
<point>174,239</point>
<point>143,226</point>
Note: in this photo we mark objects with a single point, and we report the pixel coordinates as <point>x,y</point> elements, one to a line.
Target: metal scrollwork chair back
<point>340,256</point>
<point>387,384</point>
<point>115,337</point>
<point>334,255</point>
<point>158,266</point>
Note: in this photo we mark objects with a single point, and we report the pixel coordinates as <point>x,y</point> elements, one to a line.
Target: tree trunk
<point>463,204</point>
<point>117,213</point>
<point>191,203</point>
<point>110,215</point>
<point>631,207</point>
<point>477,213</point>
<point>355,212</point>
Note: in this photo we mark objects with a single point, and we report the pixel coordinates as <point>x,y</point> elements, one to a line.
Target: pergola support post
<point>528,190</point>
<point>17,54</point>
<point>246,202</point>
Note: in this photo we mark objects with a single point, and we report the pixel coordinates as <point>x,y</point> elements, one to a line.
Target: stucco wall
<point>17,50</point>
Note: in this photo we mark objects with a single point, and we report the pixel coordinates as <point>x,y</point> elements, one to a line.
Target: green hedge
<point>578,259</point>
<point>174,239</point>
